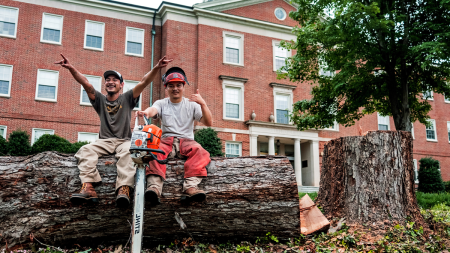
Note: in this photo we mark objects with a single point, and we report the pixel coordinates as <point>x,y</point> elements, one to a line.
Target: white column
<point>271,145</point>
<point>297,161</point>
<point>254,145</point>
<point>315,163</point>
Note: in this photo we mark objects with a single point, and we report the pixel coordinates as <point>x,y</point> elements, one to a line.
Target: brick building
<point>228,48</point>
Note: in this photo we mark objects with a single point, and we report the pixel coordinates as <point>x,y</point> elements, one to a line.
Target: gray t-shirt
<point>177,120</point>
<point>115,116</point>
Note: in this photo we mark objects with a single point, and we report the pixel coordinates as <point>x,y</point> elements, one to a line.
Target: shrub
<point>428,200</point>
<point>50,142</point>
<point>19,143</point>
<point>430,179</point>
<point>77,145</point>
<point>207,137</point>
<point>447,186</point>
<point>3,146</point>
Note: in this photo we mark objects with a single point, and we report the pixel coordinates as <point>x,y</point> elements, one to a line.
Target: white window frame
<point>335,127</point>
<point>241,47</point>
<point>281,91</point>
<point>16,23</point>
<point>378,121</point>
<point>431,98</point>
<point>276,43</point>
<point>412,130</point>
<point>87,133</point>
<point>56,89</point>
<point>85,35</point>
<point>448,130</point>
<point>140,97</point>
<point>446,100</point>
<point>82,89</point>
<point>433,122</point>
<point>142,42</point>
<point>416,171</point>
<point>233,142</point>
<point>5,130</point>
<point>10,80</point>
<point>275,13</point>
<point>233,84</point>
<point>33,133</point>
<point>61,29</point>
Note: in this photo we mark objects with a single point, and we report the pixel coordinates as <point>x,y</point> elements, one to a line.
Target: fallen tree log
<point>247,197</point>
<point>369,180</point>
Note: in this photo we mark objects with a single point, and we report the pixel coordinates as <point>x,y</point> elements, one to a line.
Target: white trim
<point>225,130</point>
<point>37,129</point>
<point>416,171</point>
<point>431,98</point>
<point>434,129</point>
<point>85,35</point>
<point>5,128</point>
<point>233,84</point>
<point>60,29</point>
<point>276,43</point>
<point>446,100</point>
<point>82,89</point>
<point>448,131</point>
<point>282,91</point>
<point>223,5</point>
<point>56,85</point>
<point>335,127</point>
<point>87,133</point>
<point>386,118</point>
<point>140,96</point>
<point>241,47</point>
<point>10,80</point>
<point>234,142</point>
<point>284,11</point>
<point>412,130</point>
<point>16,24</point>
<point>142,42</point>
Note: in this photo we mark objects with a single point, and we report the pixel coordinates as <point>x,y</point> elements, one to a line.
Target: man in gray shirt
<point>114,111</point>
<point>177,115</point>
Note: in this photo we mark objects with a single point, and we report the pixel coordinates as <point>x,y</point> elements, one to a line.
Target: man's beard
<point>112,93</point>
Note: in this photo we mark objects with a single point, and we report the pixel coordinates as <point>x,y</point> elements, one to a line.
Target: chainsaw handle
<point>136,121</point>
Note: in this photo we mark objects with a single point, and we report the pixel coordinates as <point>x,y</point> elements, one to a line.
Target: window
<point>431,131</point>
<point>446,98</point>
<point>448,130</point>
<point>323,69</point>
<point>383,122</point>
<point>96,81</point>
<point>233,100</point>
<point>129,85</point>
<point>282,108</point>
<point>416,172</point>
<point>233,149</point>
<point>8,21</point>
<point>47,85</point>
<point>233,48</point>
<point>3,131</point>
<point>5,80</point>
<point>334,127</point>
<point>93,38</point>
<point>89,137</point>
<point>135,41</point>
<point>280,13</point>
<point>51,28</point>
<point>412,130</point>
<point>38,132</point>
<point>279,55</point>
<point>428,95</point>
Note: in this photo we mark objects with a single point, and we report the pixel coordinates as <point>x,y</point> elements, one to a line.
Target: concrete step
<point>308,189</point>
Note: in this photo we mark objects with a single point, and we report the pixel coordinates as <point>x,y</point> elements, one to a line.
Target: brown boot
<point>123,196</point>
<point>86,194</point>
<point>194,195</point>
<point>153,196</point>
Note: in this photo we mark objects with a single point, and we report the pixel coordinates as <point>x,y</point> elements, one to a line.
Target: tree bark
<point>369,179</point>
<point>246,198</point>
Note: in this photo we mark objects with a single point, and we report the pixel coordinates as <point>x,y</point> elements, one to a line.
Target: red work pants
<point>195,165</point>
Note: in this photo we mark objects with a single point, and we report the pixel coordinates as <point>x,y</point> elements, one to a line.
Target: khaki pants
<point>88,157</point>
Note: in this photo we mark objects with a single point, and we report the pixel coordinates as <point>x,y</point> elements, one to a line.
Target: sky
<point>156,3</point>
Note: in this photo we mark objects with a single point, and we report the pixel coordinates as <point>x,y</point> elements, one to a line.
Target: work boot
<point>86,194</point>
<point>152,195</point>
<point>123,196</point>
<point>193,195</point>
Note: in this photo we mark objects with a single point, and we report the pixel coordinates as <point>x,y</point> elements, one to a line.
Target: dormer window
<point>280,13</point>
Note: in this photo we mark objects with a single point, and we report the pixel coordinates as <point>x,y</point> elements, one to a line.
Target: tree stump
<point>247,197</point>
<point>369,179</point>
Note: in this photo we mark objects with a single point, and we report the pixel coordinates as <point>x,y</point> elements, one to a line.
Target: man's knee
<point>85,152</point>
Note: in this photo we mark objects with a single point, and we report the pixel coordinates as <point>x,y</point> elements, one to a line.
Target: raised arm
<point>207,115</point>
<point>80,78</point>
<point>150,76</point>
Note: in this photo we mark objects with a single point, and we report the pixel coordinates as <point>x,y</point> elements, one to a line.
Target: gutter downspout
<point>153,54</point>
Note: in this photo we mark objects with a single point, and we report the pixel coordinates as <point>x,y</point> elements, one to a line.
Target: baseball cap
<point>115,73</point>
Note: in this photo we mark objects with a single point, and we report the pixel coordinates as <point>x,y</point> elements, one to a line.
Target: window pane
<point>428,94</point>
<point>51,35</point>
<point>280,52</point>
<point>4,87</point>
<point>135,35</point>
<point>8,15</point>
<point>280,62</point>
<point>447,98</point>
<point>383,127</point>
<point>94,29</point>
<point>232,95</point>
<point>87,137</point>
<point>232,150</point>
<point>52,22</point>
<point>47,78</point>
<point>231,42</point>
<point>232,55</point>
<point>5,72</point>
<point>45,91</point>
<point>134,48</point>
<point>282,102</point>
<point>7,28</point>
<point>93,41</point>
<point>39,133</point>
<point>430,134</point>
<point>448,130</point>
<point>282,116</point>
<point>2,132</point>
<point>232,111</point>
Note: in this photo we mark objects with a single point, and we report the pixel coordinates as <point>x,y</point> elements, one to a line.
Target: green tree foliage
<point>3,146</point>
<point>430,180</point>
<point>387,53</point>
<point>77,145</point>
<point>209,140</point>
<point>19,143</point>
